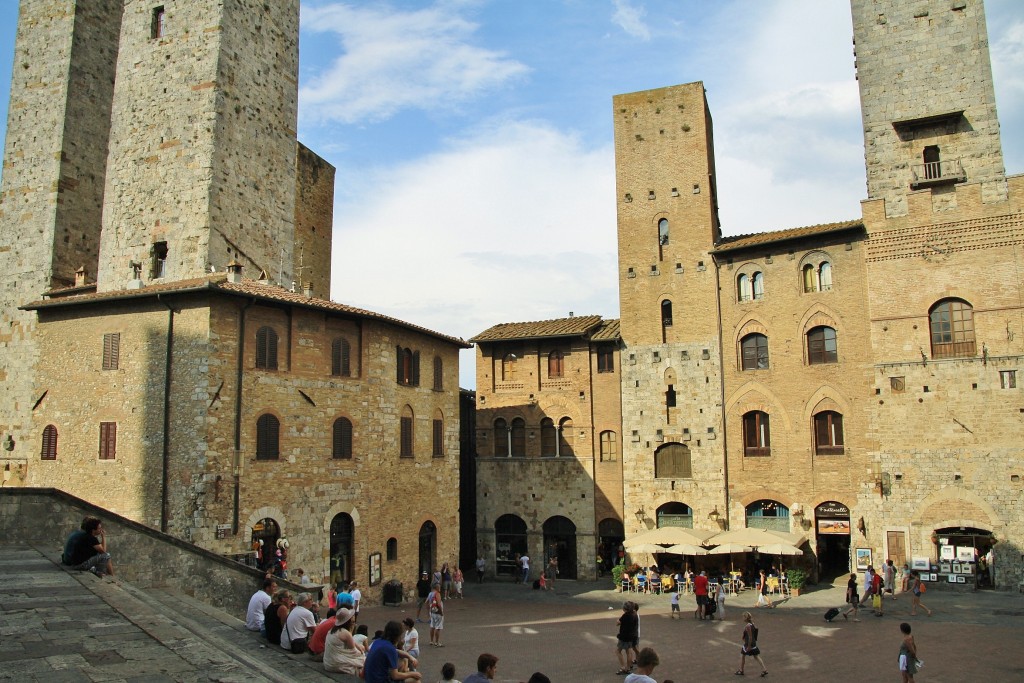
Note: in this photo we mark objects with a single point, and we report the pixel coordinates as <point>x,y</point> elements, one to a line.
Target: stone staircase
<point>61,625</point>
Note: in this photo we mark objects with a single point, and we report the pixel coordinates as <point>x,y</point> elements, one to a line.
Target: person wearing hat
<point>319,637</point>
<point>422,590</point>
<point>342,654</point>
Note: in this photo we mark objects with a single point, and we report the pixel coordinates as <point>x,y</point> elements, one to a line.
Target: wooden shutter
<point>336,357</point>
<point>406,445</point>
<point>415,380</point>
<point>346,360</point>
<point>111,350</point>
<point>400,364</point>
<point>342,439</point>
<point>267,437</point>
<point>49,450</point>
<point>438,373</point>
<point>108,440</point>
<point>438,438</point>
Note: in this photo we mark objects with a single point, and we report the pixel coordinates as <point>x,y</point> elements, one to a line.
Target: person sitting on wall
<point>86,549</point>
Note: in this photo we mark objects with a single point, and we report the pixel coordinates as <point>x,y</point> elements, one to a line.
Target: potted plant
<point>797,579</point>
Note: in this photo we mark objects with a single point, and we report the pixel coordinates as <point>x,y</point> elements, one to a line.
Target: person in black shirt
<point>86,549</point>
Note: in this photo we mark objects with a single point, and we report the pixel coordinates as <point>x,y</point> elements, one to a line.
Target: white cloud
<point>514,222</point>
<point>392,60</point>
<point>631,19</point>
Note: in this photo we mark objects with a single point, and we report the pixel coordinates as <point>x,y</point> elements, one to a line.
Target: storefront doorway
<point>832,536</point>
<point>965,556</point>
<point>428,547</point>
<point>560,542</point>
<point>342,530</point>
<point>265,534</point>
<point>611,536</point>
<point>510,540</point>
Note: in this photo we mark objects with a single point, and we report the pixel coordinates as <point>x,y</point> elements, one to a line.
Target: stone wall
<point>144,557</point>
<point>314,220</point>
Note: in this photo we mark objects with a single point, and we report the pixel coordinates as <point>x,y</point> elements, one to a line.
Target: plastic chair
<point>626,585</point>
<point>641,584</point>
<point>656,586</point>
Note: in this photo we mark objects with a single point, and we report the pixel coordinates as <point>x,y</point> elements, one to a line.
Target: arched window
<point>952,328</point>
<point>755,351</point>
<point>825,276</point>
<point>674,514</point>
<point>743,288</point>
<point>519,437</point>
<point>342,442</point>
<point>408,366</point>
<point>565,439</point>
<point>340,358</point>
<point>666,313</point>
<point>406,433</point>
<point>609,447</point>
<point>501,445</point>
<point>810,278</point>
<point>438,373</point>
<point>49,448</point>
<point>437,435</point>
<point>768,514</point>
<point>932,162</point>
<point>392,549</point>
<point>266,348</point>
<point>548,438</point>
<point>556,366</point>
<point>663,232</point>
<point>758,283</point>
<point>757,439</point>
<point>821,346</point>
<point>828,433</point>
<point>672,461</point>
<point>508,367</point>
<point>268,430</point>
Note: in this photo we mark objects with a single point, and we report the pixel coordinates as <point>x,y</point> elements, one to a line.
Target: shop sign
<point>832,509</point>
<point>834,526</point>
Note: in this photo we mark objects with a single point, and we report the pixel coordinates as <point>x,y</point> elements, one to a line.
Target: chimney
<point>80,276</point>
<point>235,272</point>
<point>136,281</point>
<point>307,289</point>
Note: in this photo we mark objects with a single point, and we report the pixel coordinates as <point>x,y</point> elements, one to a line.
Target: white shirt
<point>356,597</point>
<point>300,622</point>
<point>525,560</point>
<point>258,603</point>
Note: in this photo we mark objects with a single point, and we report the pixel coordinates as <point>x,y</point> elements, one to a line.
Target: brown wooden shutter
<point>438,373</point>
<point>438,437</point>
<point>336,357</point>
<point>400,364</point>
<point>111,350</point>
<point>406,445</point>
<point>49,450</point>
<point>108,440</point>
<point>346,360</point>
<point>415,381</point>
<point>342,439</point>
<point>267,437</point>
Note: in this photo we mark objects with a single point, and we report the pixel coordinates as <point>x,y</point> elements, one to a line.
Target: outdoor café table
<point>734,582</point>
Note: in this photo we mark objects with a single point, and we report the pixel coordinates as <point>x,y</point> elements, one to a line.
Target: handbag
<point>298,645</point>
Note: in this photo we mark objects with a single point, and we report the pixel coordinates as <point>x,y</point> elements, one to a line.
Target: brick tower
<point>671,367</point>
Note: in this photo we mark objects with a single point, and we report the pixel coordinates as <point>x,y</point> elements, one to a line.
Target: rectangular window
<point>159,260</point>
<point>1008,379</point>
<point>438,438</point>
<point>606,358</point>
<point>156,27</point>
<point>111,350</point>
<point>108,440</point>
<point>670,397</point>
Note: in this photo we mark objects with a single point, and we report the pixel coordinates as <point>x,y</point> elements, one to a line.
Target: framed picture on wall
<point>947,552</point>
<point>934,577</point>
<point>919,563</point>
<point>863,558</point>
<point>956,567</point>
<point>945,567</point>
<point>965,553</point>
<point>374,569</point>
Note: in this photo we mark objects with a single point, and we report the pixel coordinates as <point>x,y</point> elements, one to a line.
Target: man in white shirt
<point>301,623</point>
<point>525,562</point>
<point>357,595</point>
<point>258,604</point>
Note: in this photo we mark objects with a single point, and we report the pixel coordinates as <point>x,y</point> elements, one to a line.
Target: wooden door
<point>896,545</point>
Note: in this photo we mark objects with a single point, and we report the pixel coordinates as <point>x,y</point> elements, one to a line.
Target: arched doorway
<point>265,534</point>
<point>832,539</point>
<point>560,542</point>
<point>510,540</point>
<point>428,547</point>
<point>610,537</point>
<point>342,532</point>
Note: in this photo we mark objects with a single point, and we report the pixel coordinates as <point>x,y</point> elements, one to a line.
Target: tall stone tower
<point>671,360</point>
<point>54,172</point>
<point>202,135</point>
<point>927,100</point>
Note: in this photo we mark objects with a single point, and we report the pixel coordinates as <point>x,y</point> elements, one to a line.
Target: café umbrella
<point>730,549</point>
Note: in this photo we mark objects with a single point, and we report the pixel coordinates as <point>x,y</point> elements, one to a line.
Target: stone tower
<point>927,100</point>
<point>54,172</point>
<point>202,136</point>
<point>671,365</point>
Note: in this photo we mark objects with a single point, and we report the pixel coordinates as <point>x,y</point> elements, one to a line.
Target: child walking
<point>674,601</point>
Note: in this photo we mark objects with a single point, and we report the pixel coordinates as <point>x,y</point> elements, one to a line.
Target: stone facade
<point>548,467</point>
<point>148,145</point>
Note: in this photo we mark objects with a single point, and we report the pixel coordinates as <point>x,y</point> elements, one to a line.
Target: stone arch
<point>815,257</point>
<point>764,493</point>
<point>818,315</point>
<point>339,508</point>
<point>756,396</point>
<point>273,513</point>
<point>948,495</point>
<point>750,325</point>
<point>826,398</point>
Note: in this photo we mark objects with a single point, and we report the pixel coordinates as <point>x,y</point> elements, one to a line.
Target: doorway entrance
<point>611,535</point>
<point>832,530</point>
<point>560,542</point>
<point>265,534</point>
<point>509,541</point>
<point>428,547</point>
<point>342,531</point>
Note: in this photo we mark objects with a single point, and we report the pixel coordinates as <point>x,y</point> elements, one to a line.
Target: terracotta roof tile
<point>609,331</point>
<point>575,326</point>
<point>738,242</point>
<point>246,288</point>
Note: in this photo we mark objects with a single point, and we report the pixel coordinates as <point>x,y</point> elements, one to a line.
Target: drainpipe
<point>166,456</point>
<point>237,457</point>
<point>721,385</point>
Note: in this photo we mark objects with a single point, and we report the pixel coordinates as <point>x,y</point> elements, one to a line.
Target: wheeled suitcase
<point>831,614</point>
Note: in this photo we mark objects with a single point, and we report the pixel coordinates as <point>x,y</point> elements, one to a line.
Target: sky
<point>473,138</point>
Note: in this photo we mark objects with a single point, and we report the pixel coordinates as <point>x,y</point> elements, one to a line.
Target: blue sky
<point>473,138</point>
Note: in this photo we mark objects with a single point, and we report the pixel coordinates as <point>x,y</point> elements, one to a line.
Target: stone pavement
<point>68,626</point>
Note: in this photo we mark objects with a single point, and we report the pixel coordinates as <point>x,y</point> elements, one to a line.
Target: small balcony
<point>934,173</point>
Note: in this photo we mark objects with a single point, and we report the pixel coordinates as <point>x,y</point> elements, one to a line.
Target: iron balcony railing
<point>937,173</point>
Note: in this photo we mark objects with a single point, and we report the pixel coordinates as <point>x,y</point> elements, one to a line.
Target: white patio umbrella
<point>730,549</point>
<point>669,535</point>
<point>649,548</point>
<point>686,549</point>
<point>779,549</point>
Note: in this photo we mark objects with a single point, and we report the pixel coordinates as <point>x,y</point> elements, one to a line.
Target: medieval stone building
<point>151,160</point>
<point>855,382</point>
